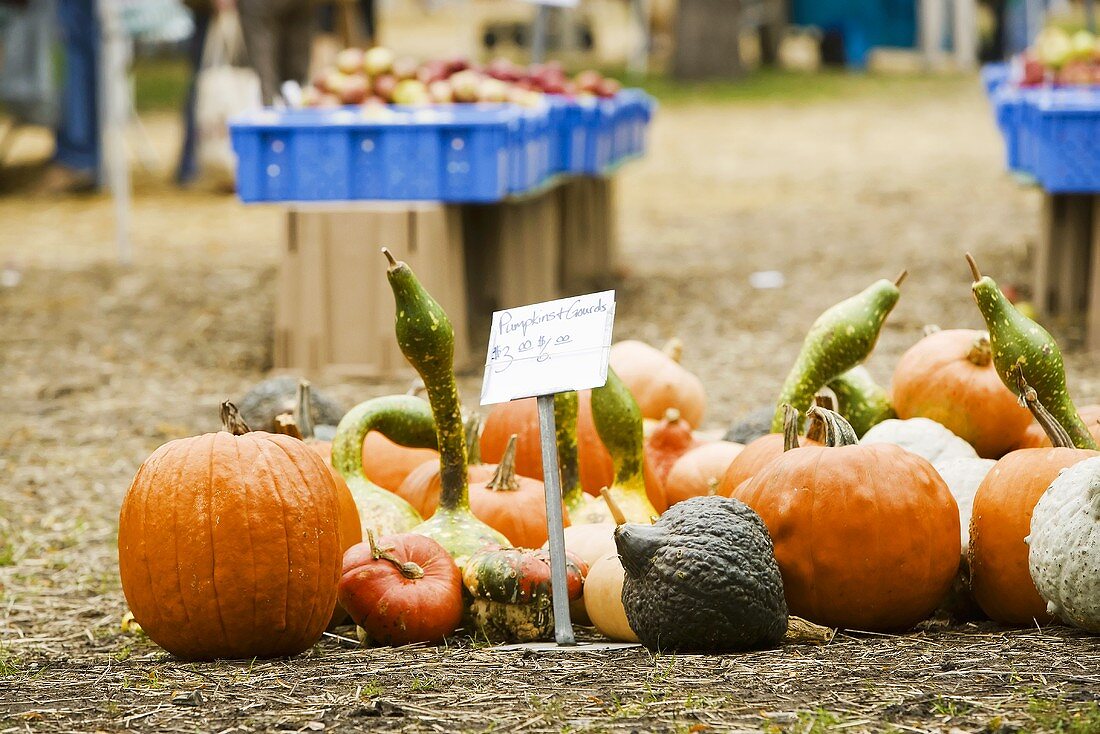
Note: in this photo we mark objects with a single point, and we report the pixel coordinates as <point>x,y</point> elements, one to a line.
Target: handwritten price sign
<point>549,347</point>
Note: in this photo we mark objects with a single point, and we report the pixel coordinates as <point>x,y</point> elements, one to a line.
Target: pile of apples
<point>1063,58</point>
<point>377,76</point>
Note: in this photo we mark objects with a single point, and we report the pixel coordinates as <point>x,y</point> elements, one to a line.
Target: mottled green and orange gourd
<point>566,407</point>
<point>426,338</point>
<point>841,338</point>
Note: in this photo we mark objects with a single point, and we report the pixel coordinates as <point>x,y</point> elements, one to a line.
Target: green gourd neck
<point>841,338</point>
<point>566,407</point>
<point>619,424</point>
<point>403,419</point>
<point>835,431</point>
<point>426,338</point>
<point>473,439</point>
<point>1024,349</point>
<point>862,401</point>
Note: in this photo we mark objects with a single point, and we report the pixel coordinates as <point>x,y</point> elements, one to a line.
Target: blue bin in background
<point>1063,137</point>
<point>863,24</point>
<point>994,75</point>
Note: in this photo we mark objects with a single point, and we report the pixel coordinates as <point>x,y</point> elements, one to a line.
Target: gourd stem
<point>566,405</point>
<point>504,478</point>
<point>674,349</point>
<point>974,272</point>
<point>790,427</point>
<point>901,278</point>
<point>613,506</point>
<point>930,329</point>
<point>981,352</point>
<point>408,569</point>
<point>389,257</point>
<point>232,420</point>
<point>473,439</point>
<point>287,426</point>
<point>838,432</point>
<point>304,415</point>
<point>1059,436</point>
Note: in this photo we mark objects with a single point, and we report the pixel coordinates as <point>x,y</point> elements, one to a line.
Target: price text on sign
<point>549,347</point>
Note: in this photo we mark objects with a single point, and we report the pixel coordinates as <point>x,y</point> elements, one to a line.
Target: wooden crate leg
<point>1044,248</point>
<point>1092,313</point>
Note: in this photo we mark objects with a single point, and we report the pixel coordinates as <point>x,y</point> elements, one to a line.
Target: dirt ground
<point>101,364</point>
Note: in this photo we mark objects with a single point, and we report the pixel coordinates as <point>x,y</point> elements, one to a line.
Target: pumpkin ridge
<point>269,474</point>
<point>316,523</point>
<point>144,487</point>
<point>175,526</point>
<point>210,512</point>
<point>248,522</point>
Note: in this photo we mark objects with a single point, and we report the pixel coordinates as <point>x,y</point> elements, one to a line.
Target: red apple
<point>441,92</point>
<point>492,90</point>
<point>609,88</point>
<point>405,68</point>
<point>466,84</point>
<point>356,89</point>
<point>377,61</point>
<point>588,81</point>
<point>384,86</point>
<point>350,60</point>
<point>458,63</point>
<point>432,71</point>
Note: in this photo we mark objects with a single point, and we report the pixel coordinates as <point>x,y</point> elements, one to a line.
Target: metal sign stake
<point>563,627</point>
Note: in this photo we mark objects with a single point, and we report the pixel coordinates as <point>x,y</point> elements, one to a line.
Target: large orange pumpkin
<point>658,381</point>
<point>1035,437</point>
<point>229,545</point>
<point>867,537</point>
<point>949,377</point>
<point>521,417</point>
<point>1001,520</point>
<point>760,453</point>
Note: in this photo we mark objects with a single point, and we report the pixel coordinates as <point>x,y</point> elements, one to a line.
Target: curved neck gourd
<point>841,338</point>
<point>566,407</point>
<point>1022,346</point>
<point>426,338</point>
<point>862,401</point>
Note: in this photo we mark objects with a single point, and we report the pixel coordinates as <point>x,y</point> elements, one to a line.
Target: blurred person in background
<point>278,35</point>
<point>76,162</point>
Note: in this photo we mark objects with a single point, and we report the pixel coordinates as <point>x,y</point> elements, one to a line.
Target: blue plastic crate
<point>457,153</point>
<point>1064,135</point>
<point>994,75</point>
<point>1009,107</point>
<point>529,150</point>
<point>634,114</point>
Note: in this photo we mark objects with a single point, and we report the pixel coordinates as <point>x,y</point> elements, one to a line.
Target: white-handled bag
<point>226,86</point>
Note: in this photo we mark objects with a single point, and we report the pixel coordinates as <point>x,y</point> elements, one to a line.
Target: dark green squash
<point>511,592</point>
<point>427,339</point>
<point>751,426</point>
<point>267,400</point>
<point>404,419</point>
<point>861,400</point>
<point>841,338</point>
<point>1023,348</point>
<point>619,423</point>
<point>703,578</point>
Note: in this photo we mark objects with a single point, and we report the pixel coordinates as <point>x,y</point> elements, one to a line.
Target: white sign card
<point>550,347</point>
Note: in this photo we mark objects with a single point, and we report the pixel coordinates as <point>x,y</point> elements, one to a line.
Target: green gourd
<point>618,421</point>
<point>841,338</point>
<point>1023,348</point>
<point>427,339</point>
<point>565,424</point>
<point>403,419</point>
<point>861,400</point>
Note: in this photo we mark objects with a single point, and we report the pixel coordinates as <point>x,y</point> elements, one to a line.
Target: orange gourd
<point>670,439</point>
<point>387,464</point>
<point>207,565</point>
<point>699,471</point>
<point>761,452</point>
<point>949,377</point>
<point>658,381</point>
<point>866,536</point>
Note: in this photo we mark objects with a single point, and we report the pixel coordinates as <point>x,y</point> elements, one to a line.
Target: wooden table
<point>1066,270</point>
<point>334,310</point>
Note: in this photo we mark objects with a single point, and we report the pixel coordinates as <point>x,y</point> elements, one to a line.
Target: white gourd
<point>922,436</point>
<point>1064,556</point>
<point>963,477</point>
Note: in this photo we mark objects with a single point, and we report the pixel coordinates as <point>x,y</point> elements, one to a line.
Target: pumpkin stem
<point>838,432</point>
<point>974,272</point>
<point>981,352</point>
<point>1059,436</point>
<point>232,420</point>
<point>826,399</point>
<point>790,427</point>
<point>672,415</point>
<point>901,278</point>
<point>473,439</point>
<point>504,478</point>
<point>930,329</point>
<point>408,569</point>
<point>613,506</point>
<point>566,406</point>
<point>389,257</point>
<point>304,414</point>
<point>674,349</point>
<point>286,425</point>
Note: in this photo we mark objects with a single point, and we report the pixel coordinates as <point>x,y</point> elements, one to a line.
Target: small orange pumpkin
<point>866,536</point>
<point>949,377</point>
<point>513,505</point>
<point>1036,438</point>
<point>387,464</point>
<point>699,471</point>
<point>423,485</point>
<point>658,381</point>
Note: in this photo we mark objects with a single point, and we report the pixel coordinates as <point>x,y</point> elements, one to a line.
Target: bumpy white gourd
<point>963,477</point>
<point>922,436</point>
<point>1064,558</point>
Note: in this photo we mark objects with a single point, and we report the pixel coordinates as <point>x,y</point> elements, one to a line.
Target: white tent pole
<point>114,112</point>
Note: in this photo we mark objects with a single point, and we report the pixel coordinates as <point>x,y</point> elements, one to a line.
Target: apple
<point>456,64</point>
<point>1034,72</point>
<point>432,71</point>
<point>328,101</point>
<point>410,92</point>
<point>466,84</point>
<point>377,61</point>
<point>609,88</point>
<point>492,90</point>
<point>311,96</point>
<point>503,69</point>
<point>1083,45</point>
<point>1053,47</point>
<point>405,68</point>
<point>350,60</point>
<point>384,86</point>
<point>588,81</point>
<point>441,92</point>
<point>334,82</point>
<point>356,89</point>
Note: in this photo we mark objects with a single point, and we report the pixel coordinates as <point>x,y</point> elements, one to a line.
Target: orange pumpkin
<point>949,377</point>
<point>698,472</point>
<point>207,565</point>
<point>658,381</point>
<point>867,537</point>
<point>1001,520</point>
<point>668,441</point>
<point>1035,437</point>
<point>511,504</point>
<point>521,417</point>
<point>387,464</point>
<point>760,453</point>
